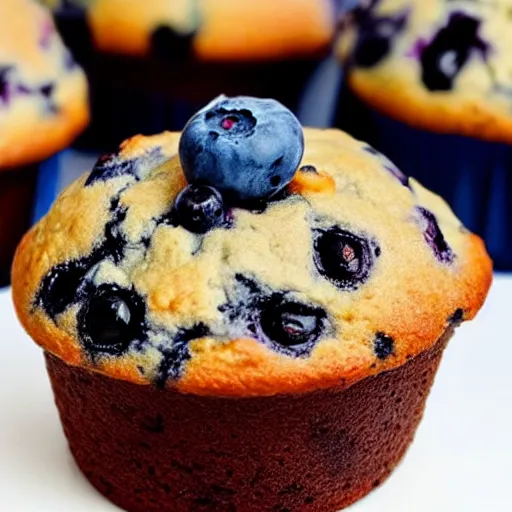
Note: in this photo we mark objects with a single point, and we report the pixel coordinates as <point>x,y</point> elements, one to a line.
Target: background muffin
<point>439,75</point>
<point>235,343</point>
<point>43,106</point>
<point>163,60</point>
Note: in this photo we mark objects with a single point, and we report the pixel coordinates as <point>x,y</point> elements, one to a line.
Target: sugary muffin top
<point>43,93</point>
<point>292,260</point>
<point>207,29</point>
<point>439,65</point>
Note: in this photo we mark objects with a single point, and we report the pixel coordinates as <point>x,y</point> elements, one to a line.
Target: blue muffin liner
<point>473,175</point>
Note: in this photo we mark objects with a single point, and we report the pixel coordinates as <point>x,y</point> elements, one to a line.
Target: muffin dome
<point>350,270</point>
<point>43,93</point>
<point>208,29</point>
<point>438,65</point>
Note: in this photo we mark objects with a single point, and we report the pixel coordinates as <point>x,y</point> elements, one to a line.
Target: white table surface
<point>461,459</point>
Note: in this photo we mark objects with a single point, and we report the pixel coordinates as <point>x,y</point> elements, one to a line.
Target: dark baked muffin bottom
<point>17,190</point>
<point>151,450</point>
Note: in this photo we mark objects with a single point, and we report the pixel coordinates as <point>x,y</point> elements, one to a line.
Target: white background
<point>460,461</point>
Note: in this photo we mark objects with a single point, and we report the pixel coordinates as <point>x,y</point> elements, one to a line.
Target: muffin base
<point>150,450</point>
<point>17,191</point>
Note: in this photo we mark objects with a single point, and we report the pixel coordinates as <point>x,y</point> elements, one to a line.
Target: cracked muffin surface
<point>439,65</point>
<point>43,92</point>
<point>347,270</point>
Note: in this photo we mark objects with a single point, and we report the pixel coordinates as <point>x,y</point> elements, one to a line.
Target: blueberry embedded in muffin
<point>344,258</point>
<point>173,279</point>
<point>111,320</point>
<point>376,36</point>
<point>434,236</point>
<point>200,208</point>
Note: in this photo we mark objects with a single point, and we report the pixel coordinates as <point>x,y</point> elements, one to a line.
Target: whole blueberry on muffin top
<point>155,268</point>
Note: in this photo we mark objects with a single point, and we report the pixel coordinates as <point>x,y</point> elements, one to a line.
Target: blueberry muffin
<point>43,105</point>
<point>168,58</point>
<point>430,85</point>
<point>246,316</point>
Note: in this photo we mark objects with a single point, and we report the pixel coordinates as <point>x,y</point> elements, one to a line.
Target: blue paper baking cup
<point>472,175</point>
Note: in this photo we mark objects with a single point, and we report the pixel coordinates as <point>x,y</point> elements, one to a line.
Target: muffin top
<point>439,65</point>
<point>290,261</point>
<point>43,93</point>
<point>208,29</point>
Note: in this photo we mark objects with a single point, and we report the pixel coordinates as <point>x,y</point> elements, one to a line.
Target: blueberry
<point>343,258</point>
<point>457,317</point>
<point>449,51</point>
<point>290,324</point>
<point>199,208</point>
<point>4,84</point>
<point>175,357</point>
<point>375,38</point>
<point>23,89</point>
<point>383,345</point>
<point>276,319</point>
<point>47,90</point>
<point>107,167</point>
<point>111,165</point>
<point>59,287</point>
<point>110,320</point>
<point>115,240</point>
<point>247,148</point>
<point>434,236</point>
